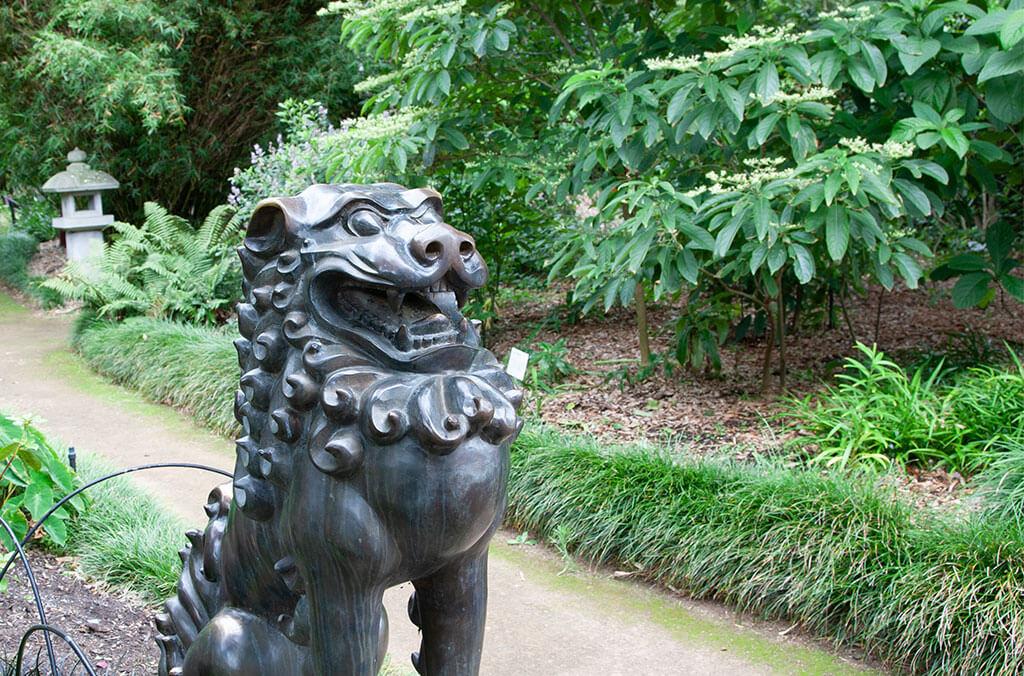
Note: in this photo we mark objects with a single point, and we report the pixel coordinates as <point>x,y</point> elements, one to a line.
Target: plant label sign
<point>517,361</point>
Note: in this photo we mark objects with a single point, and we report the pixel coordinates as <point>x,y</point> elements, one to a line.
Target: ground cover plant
<point>193,368</point>
<point>841,556</point>
<point>879,413</point>
<point>33,476</point>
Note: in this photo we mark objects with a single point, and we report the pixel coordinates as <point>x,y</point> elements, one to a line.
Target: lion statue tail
<point>201,592</point>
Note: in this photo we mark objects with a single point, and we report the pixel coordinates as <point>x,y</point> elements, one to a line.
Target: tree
<point>166,96</point>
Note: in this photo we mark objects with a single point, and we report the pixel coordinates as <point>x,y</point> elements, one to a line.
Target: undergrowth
<point>187,367</point>
<point>844,558</point>
<point>838,554</point>
<point>877,413</point>
<point>126,538</point>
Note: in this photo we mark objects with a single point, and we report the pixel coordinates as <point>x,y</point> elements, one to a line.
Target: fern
<point>163,268</point>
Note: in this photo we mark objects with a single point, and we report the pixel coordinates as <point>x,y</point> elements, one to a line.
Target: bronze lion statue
<point>373,451</point>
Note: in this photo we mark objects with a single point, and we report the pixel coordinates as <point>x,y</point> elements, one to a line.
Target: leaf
<point>766,86</point>
<point>971,290</point>
<point>928,114</point>
<point>999,240</point>
<point>876,62</point>
<point>955,139</point>
<point>913,195</point>
<point>677,106</point>
<point>764,128</point>
<point>500,40</point>
<point>803,262</point>
<point>914,53</point>
<point>1013,285</point>
<point>38,496</point>
<point>1012,31</point>
<point>1005,98</point>
<point>861,74</point>
<point>776,257</point>
<point>733,101</point>
<point>908,268</point>
<point>723,242</point>
<point>837,231</point>
<point>992,22</point>
<point>1002,63</point>
<point>624,107</point>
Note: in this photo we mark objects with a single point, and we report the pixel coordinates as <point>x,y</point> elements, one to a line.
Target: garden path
<point>540,620</point>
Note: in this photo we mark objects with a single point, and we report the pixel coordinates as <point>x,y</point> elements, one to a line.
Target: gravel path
<point>540,622</point>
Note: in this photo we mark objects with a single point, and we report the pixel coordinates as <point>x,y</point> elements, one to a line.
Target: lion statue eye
<point>365,223</point>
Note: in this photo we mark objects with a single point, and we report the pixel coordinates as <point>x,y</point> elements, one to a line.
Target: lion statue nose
<point>442,243</point>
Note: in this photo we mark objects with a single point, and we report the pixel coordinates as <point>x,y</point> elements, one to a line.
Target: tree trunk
<point>640,300</point>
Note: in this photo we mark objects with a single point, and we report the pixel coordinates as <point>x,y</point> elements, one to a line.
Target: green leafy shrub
<point>841,557</point>
<point>33,477</point>
<point>16,249</point>
<point>35,216</point>
<point>878,413</point>
<point>163,268</point>
<point>981,273</point>
<point>750,156</point>
<point>549,365</point>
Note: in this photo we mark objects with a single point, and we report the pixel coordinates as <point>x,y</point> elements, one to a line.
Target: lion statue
<point>373,451</point>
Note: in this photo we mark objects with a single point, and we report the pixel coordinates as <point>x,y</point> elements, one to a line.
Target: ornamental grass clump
<point>877,413</point>
<point>842,557</point>
<point>189,367</point>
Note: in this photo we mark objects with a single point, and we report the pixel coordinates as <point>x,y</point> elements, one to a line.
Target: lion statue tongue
<point>374,447</point>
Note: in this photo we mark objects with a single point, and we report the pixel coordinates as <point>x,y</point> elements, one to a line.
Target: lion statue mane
<point>373,451</point>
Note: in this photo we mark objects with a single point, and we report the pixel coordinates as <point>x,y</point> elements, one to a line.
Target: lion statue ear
<point>273,224</point>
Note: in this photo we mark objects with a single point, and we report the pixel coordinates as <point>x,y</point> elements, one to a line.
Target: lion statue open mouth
<point>374,447</point>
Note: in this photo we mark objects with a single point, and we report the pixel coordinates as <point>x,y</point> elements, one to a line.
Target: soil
<point>114,631</point>
<point>702,413</point>
<point>48,260</point>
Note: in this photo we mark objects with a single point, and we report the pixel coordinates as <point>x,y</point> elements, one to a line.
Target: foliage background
<point>166,96</point>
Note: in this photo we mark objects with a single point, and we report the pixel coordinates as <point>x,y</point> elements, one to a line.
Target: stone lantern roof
<point>79,177</point>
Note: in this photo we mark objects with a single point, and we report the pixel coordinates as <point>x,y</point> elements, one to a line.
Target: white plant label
<point>517,361</point>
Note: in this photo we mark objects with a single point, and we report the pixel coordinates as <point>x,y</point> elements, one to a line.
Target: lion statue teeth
<point>373,451</point>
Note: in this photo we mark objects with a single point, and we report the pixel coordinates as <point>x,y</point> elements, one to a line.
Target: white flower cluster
<point>359,129</point>
<point>432,11</point>
<point>377,81</point>
<point>891,149</point>
<point>680,63</point>
<point>762,170</point>
<point>368,9</point>
<point>809,94</point>
<point>759,36</point>
<point>849,15</point>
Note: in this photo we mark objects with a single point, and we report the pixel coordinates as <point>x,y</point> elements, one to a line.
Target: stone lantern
<point>82,220</point>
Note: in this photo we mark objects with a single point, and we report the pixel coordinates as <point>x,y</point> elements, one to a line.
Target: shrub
<point>33,477</point>
<point>162,268</point>
<point>878,413</point>
<point>16,249</point>
<point>842,557</point>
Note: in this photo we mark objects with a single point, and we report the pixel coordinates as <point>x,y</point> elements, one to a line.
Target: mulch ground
<point>115,632</point>
<point>702,412</point>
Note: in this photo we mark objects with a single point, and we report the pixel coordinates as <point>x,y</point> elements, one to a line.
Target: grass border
<point>843,557</point>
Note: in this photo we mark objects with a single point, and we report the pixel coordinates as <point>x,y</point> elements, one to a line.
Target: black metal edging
<point>19,553</point>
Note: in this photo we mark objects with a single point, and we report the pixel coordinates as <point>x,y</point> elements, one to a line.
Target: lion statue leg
<point>450,608</point>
